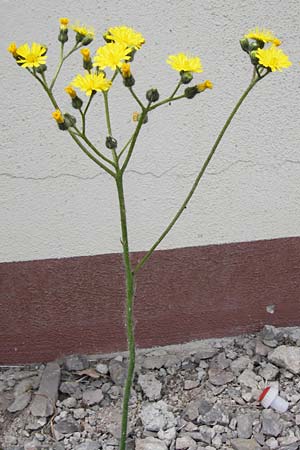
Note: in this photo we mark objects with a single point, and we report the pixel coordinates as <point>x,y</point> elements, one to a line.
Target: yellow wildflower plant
<point>64,21</point>
<point>33,56</point>
<point>83,30</point>
<point>12,48</point>
<point>203,86</point>
<point>273,58</point>
<point>91,82</point>
<point>125,70</point>
<point>70,91</point>
<point>86,54</point>
<point>185,63</point>
<point>125,35</point>
<point>112,55</point>
<point>57,115</point>
<point>263,35</point>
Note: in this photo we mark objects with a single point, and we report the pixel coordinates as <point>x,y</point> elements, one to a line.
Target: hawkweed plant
<point>112,61</point>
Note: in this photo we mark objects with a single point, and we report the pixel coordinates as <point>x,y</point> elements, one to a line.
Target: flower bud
<point>253,58</point>
<point>77,102</point>
<point>63,35</point>
<point>87,40</point>
<point>41,69</point>
<point>190,92</point>
<point>128,82</point>
<point>203,86</point>
<point>63,23</point>
<point>136,117</point>
<point>186,77</point>
<point>87,61</point>
<point>70,121</point>
<point>244,44</point>
<point>111,143</point>
<point>12,48</point>
<point>254,46</point>
<point>152,95</point>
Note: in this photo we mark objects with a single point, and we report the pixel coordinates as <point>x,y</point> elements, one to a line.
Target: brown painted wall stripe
<point>53,307</point>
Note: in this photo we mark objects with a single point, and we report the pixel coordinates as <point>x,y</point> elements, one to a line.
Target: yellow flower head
<point>125,70</point>
<point>135,116</point>
<point>125,35</point>
<point>112,55</point>
<point>182,62</point>
<point>83,30</point>
<point>273,58</point>
<point>63,23</point>
<point>203,86</point>
<point>91,82</point>
<point>57,115</point>
<point>12,48</point>
<point>263,35</point>
<point>69,90</point>
<point>31,57</point>
<point>86,54</point>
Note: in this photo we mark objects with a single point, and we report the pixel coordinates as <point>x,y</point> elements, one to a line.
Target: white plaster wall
<point>55,203</point>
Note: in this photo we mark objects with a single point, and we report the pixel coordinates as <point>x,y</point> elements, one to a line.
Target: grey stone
<point>245,444</point>
<point>190,384</point>
<point>35,423</point>
<point>26,385</point>
<point>150,386</point>
<point>287,357</point>
<point>271,336</point>
<point>220,361</point>
<point>271,425</point>
<point>219,377</point>
<point>240,364</point>
<point>79,413</point>
<point>69,387</point>
<point>156,416</point>
<point>158,361</point>
<point>205,434</point>
<point>269,372</point>
<point>204,406</point>
<point>67,426</point>
<point>272,443</point>
<point>92,396</point>
<point>150,443</point>
<point>43,404</point>
<point>32,445</point>
<point>261,349</point>
<point>216,415</point>
<point>248,378</point>
<point>244,425</point>
<point>20,402</point>
<point>192,410</point>
<point>76,362</point>
<point>167,435</point>
<point>118,372</point>
<point>205,352</point>
<point>69,402</point>
<point>184,443</point>
<point>88,445</point>
<point>102,368</point>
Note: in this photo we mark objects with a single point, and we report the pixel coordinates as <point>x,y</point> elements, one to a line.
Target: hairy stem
<point>198,178</point>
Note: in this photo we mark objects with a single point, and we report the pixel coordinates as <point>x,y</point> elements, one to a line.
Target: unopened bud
<point>190,92</point>
<point>152,95</point>
<point>12,48</point>
<point>253,58</point>
<point>41,69</point>
<point>70,121</point>
<point>186,77</point>
<point>254,46</point>
<point>87,40</point>
<point>128,82</point>
<point>111,143</point>
<point>203,86</point>
<point>77,102</point>
<point>244,44</point>
<point>63,35</point>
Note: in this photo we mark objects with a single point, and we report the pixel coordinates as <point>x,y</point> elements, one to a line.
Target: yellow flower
<point>273,58</point>
<point>112,55</point>
<point>86,54</point>
<point>135,116</point>
<point>69,90</point>
<point>91,82</point>
<point>31,57</point>
<point>63,23</point>
<point>125,70</point>
<point>83,30</point>
<point>12,48</point>
<point>263,35</point>
<point>182,62</point>
<point>125,35</point>
<point>203,86</point>
<point>57,115</point>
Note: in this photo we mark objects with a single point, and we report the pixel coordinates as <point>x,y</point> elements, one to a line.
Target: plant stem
<point>61,61</point>
<point>167,100</point>
<point>105,95</point>
<point>136,98</point>
<point>176,89</point>
<point>129,310</point>
<point>198,178</point>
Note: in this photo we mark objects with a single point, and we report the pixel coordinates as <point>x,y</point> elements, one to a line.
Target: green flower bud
<point>77,102</point>
<point>244,44</point>
<point>253,58</point>
<point>41,69</point>
<point>63,35</point>
<point>131,54</point>
<point>129,81</point>
<point>87,40</point>
<point>186,77</point>
<point>152,95</point>
<point>88,65</point>
<point>254,46</point>
<point>79,37</point>
<point>70,121</point>
<point>111,143</point>
<point>190,92</point>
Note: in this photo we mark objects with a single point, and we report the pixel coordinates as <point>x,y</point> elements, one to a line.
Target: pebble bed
<point>202,395</point>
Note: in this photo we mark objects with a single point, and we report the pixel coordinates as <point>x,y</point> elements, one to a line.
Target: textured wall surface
<point>55,203</point>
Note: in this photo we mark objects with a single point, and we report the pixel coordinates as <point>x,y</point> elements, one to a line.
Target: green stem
<point>124,148</point>
<point>91,145</point>
<point>167,100</point>
<point>176,89</point>
<point>136,98</point>
<point>61,61</point>
<point>107,116</point>
<point>129,311</point>
<point>83,113</point>
<point>198,178</point>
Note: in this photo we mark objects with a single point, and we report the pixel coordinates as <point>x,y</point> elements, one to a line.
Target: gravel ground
<point>202,395</point>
